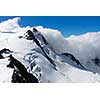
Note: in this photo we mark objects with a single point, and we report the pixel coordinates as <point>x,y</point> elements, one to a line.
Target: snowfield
<point>84,49</point>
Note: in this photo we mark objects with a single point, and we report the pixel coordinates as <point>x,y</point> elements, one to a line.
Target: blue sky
<point>66,24</point>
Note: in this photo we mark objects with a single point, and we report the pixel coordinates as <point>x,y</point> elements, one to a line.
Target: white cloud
<point>84,47</point>
<point>11,25</point>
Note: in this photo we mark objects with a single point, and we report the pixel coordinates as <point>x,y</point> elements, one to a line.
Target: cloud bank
<point>11,25</point>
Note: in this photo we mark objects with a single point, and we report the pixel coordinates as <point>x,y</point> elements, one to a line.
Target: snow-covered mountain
<point>49,56</point>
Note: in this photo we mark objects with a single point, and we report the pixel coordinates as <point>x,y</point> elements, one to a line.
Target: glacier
<point>75,58</point>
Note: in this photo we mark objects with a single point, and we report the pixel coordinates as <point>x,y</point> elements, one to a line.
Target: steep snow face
<point>31,55</point>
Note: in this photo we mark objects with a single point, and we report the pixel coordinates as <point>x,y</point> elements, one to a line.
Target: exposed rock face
<point>20,73</point>
<point>96,61</point>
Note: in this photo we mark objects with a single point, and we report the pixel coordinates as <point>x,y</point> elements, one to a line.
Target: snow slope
<point>27,52</point>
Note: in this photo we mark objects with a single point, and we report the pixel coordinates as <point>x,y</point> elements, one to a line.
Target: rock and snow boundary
<point>12,37</point>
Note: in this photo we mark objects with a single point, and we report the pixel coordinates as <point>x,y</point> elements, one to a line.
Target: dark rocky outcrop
<point>96,61</point>
<point>1,57</point>
<point>20,73</point>
<point>42,37</point>
<point>3,51</point>
<point>73,59</point>
<point>17,78</point>
<point>35,30</point>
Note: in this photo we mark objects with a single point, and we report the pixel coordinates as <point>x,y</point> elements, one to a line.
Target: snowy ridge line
<point>52,44</point>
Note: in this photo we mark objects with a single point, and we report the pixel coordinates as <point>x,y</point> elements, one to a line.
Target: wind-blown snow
<point>11,25</point>
<point>84,47</point>
<point>53,37</point>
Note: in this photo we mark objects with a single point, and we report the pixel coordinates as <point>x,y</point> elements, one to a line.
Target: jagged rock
<point>29,35</point>
<point>1,57</point>
<point>4,51</point>
<point>73,59</point>
<point>17,78</point>
<point>20,37</point>
<point>96,61</point>
<point>35,30</point>
<point>20,73</point>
